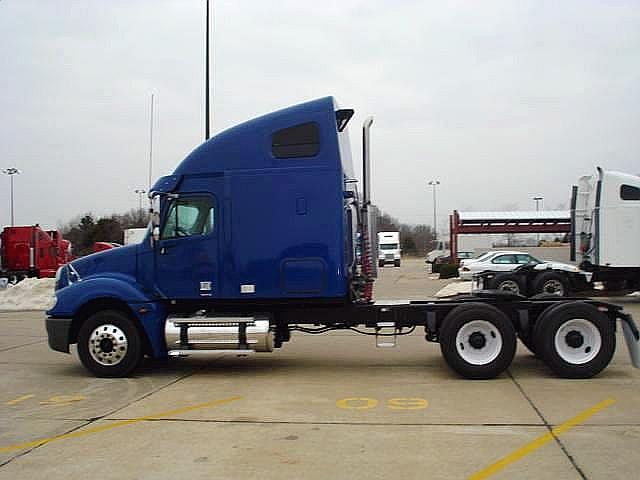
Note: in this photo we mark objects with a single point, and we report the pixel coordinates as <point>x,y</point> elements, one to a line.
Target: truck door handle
<point>165,247</point>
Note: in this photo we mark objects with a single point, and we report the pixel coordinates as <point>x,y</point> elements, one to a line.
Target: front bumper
<point>468,275</point>
<point>58,330</point>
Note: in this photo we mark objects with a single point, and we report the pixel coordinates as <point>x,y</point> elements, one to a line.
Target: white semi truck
<point>605,242</point>
<point>389,248</point>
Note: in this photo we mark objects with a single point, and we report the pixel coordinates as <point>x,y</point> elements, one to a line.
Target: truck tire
<point>551,283</point>
<point>509,282</point>
<point>575,339</point>
<point>396,263</point>
<point>477,340</point>
<point>109,344</point>
<point>380,263</point>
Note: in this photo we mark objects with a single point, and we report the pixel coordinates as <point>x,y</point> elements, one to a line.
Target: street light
<point>140,193</point>
<point>11,172</point>
<point>434,184</point>
<point>538,200</point>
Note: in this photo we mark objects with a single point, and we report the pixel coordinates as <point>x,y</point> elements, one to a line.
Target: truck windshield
<point>388,246</point>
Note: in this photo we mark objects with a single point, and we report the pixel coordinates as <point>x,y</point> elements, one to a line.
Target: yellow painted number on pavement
<point>407,403</point>
<point>357,403</point>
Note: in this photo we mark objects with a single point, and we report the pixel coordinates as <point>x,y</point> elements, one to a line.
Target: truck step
<point>208,353</point>
<point>386,340</point>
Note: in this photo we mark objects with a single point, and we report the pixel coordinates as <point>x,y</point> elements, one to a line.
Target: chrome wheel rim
<point>479,342</point>
<point>553,287</point>
<point>578,341</point>
<point>108,345</point>
<point>509,286</point>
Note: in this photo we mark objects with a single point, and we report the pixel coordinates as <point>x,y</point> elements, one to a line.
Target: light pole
<point>538,200</point>
<point>207,120</point>
<point>140,193</point>
<point>11,172</point>
<point>434,184</point>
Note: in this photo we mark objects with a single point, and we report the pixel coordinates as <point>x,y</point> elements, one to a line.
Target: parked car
<point>497,261</point>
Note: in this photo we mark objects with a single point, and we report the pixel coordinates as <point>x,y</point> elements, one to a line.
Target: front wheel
<point>576,340</point>
<point>396,263</point>
<point>109,344</point>
<point>478,341</point>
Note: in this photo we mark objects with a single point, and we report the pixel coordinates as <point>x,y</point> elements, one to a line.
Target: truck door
<point>187,252</point>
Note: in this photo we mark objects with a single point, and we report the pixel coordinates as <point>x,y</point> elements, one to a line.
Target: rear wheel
<point>551,283</point>
<point>477,340</point>
<point>576,340</point>
<point>508,282</point>
<point>109,344</point>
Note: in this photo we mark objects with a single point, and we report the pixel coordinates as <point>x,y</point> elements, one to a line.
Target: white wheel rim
<point>479,342</point>
<point>553,287</point>
<point>578,341</point>
<point>108,345</point>
<point>509,286</point>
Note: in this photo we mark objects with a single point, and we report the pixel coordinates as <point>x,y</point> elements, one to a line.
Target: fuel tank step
<point>208,353</point>
<point>218,333</point>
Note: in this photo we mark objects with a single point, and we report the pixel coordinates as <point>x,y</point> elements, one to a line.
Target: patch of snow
<point>454,288</point>
<point>29,294</point>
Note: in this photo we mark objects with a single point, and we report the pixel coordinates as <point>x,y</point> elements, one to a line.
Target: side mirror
<point>156,233</point>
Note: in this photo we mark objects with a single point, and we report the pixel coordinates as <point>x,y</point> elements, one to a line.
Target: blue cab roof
<point>248,145</point>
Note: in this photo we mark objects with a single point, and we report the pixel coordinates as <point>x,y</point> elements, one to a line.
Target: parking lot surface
<point>323,406</point>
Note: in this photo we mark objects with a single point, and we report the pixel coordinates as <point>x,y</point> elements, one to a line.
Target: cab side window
<point>189,217</point>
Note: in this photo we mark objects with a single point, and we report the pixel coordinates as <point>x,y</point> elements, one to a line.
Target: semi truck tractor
<point>253,240</point>
<point>605,243</point>
<point>30,251</point>
<point>389,249</point>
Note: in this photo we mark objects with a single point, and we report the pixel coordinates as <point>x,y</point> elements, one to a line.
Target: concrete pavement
<point>324,406</point>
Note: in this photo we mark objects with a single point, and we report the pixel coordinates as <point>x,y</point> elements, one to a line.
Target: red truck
<point>29,251</point>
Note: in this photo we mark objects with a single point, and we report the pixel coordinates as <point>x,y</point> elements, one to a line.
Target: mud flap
<point>631,338</point>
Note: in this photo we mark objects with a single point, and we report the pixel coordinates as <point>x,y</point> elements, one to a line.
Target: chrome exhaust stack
<point>198,335</point>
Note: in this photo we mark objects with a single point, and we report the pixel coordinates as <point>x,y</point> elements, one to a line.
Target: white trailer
<point>389,248</point>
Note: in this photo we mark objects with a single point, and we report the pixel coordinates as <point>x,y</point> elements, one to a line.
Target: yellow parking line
<point>121,423</point>
<point>20,399</point>
<point>540,441</point>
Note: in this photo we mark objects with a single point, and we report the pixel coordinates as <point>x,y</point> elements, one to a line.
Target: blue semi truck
<point>263,230</point>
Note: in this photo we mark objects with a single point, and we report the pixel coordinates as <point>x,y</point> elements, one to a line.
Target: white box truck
<point>389,248</point>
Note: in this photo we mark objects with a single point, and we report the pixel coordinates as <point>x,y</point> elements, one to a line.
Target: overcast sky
<point>499,101</point>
